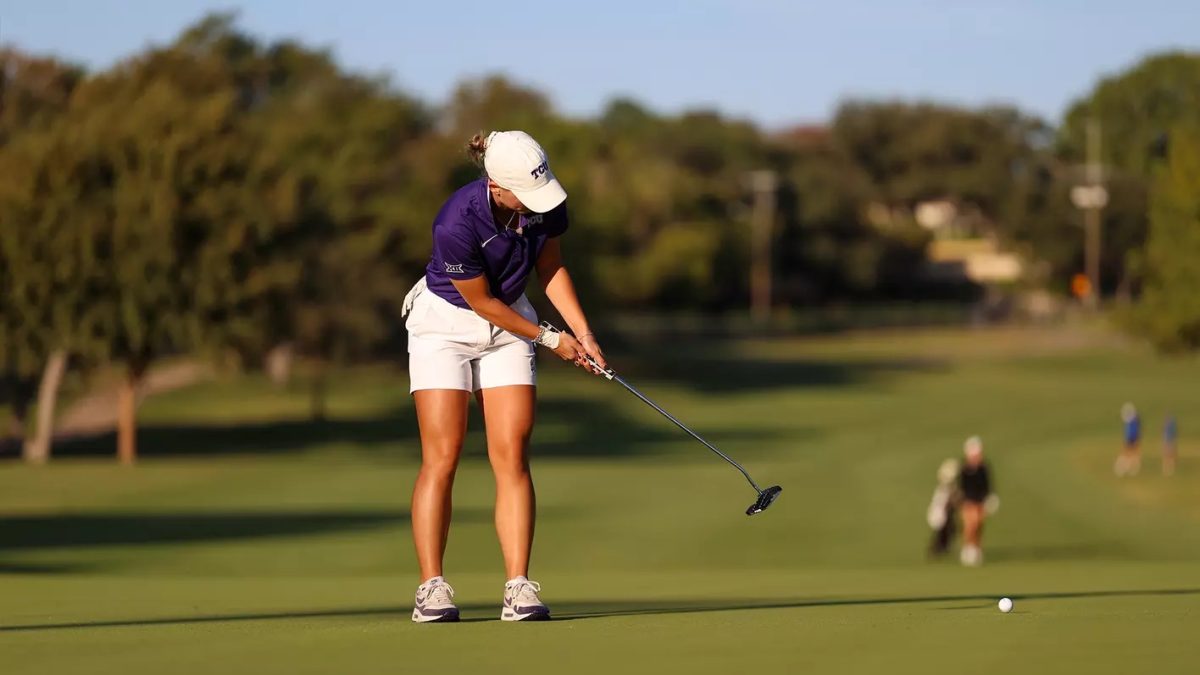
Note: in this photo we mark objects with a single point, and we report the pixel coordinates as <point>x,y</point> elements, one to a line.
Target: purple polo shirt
<point>467,243</point>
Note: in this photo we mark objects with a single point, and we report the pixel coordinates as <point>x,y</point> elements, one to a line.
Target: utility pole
<point>765,183</point>
<point>1091,197</point>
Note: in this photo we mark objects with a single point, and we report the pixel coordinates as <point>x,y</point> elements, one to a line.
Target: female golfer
<point>976,500</point>
<point>472,330</point>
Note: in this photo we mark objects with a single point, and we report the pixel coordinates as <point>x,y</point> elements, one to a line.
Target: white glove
<point>548,336</point>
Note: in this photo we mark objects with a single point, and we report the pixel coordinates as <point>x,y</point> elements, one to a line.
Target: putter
<point>765,497</point>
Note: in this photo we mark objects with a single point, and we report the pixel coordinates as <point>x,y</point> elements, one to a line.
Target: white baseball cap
<point>1128,412</point>
<point>973,446</point>
<point>516,162</point>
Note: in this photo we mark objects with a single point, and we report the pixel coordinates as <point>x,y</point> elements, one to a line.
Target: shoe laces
<point>526,591</point>
<point>440,592</point>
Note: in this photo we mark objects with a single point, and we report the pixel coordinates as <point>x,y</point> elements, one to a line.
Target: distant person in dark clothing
<point>1170,445</point>
<point>977,500</point>
<point>1129,462</point>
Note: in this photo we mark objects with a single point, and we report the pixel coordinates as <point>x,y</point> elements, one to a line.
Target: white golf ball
<point>1005,605</point>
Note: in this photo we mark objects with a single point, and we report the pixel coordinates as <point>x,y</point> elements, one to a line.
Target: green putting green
<point>250,540</point>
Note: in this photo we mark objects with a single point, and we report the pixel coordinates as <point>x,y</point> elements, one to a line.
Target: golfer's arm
<point>556,282</point>
<point>479,297</point>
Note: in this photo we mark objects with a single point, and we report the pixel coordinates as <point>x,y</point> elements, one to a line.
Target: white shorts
<point>454,348</point>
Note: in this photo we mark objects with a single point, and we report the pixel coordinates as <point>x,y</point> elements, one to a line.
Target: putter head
<point>765,499</point>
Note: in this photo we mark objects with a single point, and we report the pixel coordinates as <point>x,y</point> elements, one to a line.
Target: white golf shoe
<point>971,556</point>
<point>434,602</point>
<point>521,601</point>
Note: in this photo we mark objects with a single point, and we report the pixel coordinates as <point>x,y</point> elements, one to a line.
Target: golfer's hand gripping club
<point>592,364</point>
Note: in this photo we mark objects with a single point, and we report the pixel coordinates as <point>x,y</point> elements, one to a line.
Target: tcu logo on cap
<point>539,170</point>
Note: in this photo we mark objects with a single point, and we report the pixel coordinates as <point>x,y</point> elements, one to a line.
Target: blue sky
<point>773,61</point>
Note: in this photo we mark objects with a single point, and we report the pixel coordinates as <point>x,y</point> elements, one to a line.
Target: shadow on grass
<point>41,568</point>
<point>253,438</point>
<point>574,611</point>
<point>607,609</point>
<point>119,529</point>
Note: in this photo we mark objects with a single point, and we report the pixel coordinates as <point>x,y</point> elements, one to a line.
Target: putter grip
<point>606,372</point>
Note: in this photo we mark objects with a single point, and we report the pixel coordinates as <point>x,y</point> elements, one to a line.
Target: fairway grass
<point>250,540</point>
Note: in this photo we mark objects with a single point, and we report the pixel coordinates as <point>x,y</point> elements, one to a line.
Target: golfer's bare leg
<point>972,514</point>
<point>442,417</point>
<point>508,414</point>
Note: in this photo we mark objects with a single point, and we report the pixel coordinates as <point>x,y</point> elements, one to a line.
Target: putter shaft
<point>612,375</point>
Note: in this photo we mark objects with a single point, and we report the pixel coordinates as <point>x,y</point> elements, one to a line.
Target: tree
<point>1168,312</point>
<point>1040,214</point>
<point>826,249</point>
<point>917,152</point>
<point>33,91</point>
<point>45,314</point>
<point>352,173</point>
<point>174,186</point>
<point>1136,111</point>
<point>496,104</point>
<point>41,312</point>
<point>237,196</point>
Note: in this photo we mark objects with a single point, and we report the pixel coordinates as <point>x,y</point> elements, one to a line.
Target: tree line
<point>222,196</point>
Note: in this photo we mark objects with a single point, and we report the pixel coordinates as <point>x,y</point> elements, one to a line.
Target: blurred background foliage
<point>225,197</point>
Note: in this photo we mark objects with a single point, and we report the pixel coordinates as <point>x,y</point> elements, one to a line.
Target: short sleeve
<point>457,253</point>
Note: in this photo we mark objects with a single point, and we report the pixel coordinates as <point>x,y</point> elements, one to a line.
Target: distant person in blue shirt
<point>1170,445</point>
<point>1129,462</point>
